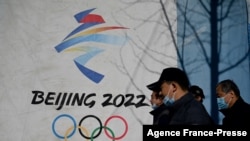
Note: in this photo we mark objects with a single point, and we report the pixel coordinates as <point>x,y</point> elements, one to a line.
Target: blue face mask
<point>154,106</point>
<point>222,103</point>
<point>168,101</point>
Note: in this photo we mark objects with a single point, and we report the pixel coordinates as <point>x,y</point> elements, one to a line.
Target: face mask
<point>168,101</point>
<point>222,103</point>
<point>154,106</point>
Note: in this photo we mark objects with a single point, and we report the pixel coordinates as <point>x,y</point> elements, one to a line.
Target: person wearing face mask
<point>235,110</point>
<point>185,110</point>
<point>160,111</point>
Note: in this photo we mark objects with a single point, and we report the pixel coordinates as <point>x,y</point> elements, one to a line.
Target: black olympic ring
<point>82,121</point>
<point>80,128</point>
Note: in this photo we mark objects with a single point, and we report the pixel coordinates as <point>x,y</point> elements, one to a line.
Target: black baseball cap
<point>197,91</point>
<point>171,74</point>
<point>153,87</point>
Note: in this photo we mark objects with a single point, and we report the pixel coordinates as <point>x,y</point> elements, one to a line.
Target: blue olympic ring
<point>53,126</point>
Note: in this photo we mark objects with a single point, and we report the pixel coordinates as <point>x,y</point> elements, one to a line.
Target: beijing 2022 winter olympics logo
<point>83,34</point>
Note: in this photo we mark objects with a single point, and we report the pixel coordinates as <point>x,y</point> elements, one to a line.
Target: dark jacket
<point>237,115</point>
<point>160,115</point>
<point>188,111</point>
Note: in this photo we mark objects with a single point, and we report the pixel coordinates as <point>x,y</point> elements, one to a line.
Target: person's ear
<point>198,98</point>
<point>174,85</point>
<point>231,93</point>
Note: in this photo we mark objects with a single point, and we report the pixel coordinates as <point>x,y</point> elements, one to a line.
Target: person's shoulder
<point>244,105</point>
<point>196,105</point>
<point>247,109</point>
<point>192,100</point>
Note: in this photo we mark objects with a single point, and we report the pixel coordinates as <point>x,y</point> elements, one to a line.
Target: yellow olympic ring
<point>71,128</point>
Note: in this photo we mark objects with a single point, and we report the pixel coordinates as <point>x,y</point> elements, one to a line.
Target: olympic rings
<point>86,135</point>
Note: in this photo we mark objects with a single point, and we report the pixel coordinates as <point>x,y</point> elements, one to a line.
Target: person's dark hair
<point>228,85</point>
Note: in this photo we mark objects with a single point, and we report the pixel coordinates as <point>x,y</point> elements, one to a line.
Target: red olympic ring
<point>126,127</point>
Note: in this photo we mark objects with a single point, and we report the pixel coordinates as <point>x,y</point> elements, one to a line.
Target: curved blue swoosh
<point>83,59</point>
<point>109,39</point>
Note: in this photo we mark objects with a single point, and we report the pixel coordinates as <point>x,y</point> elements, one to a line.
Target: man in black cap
<point>185,110</point>
<point>199,96</point>
<point>160,112</point>
<point>197,93</point>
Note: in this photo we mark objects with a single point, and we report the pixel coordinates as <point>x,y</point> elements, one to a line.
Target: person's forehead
<point>153,94</point>
<point>164,84</point>
<point>219,91</point>
<point>218,88</point>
